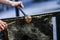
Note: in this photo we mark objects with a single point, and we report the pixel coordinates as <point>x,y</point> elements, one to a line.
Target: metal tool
<point>28,18</point>
<point>11,23</point>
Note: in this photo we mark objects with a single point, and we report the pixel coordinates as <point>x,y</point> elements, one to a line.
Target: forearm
<point>8,2</point>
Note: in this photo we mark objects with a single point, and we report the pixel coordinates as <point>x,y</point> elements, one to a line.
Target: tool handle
<point>28,18</point>
<point>23,12</point>
<point>11,22</point>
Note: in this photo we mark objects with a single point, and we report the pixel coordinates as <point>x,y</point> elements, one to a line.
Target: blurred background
<point>31,7</point>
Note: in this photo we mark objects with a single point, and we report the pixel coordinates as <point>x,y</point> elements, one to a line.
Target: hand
<point>17,4</point>
<point>3,25</point>
<point>12,3</point>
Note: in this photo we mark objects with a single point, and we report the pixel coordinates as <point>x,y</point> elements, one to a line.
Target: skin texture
<point>3,25</point>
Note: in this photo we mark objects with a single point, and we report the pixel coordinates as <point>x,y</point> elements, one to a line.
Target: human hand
<point>12,3</point>
<point>3,25</point>
<point>17,4</point>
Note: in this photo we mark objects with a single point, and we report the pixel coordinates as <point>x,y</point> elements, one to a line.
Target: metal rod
<point>23,12</point>
<point>28,18</point>
<point>11,23</point>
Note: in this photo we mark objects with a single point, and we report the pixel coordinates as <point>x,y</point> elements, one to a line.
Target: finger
<point>1,27</point>
<point>4,24</point>
<point>20,5</point>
